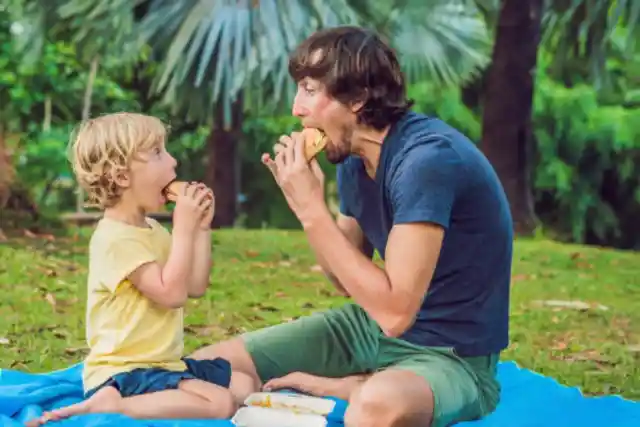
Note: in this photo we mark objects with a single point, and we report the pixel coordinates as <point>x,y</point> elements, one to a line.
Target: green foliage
<point>586,177</point>
<point>446,103</point>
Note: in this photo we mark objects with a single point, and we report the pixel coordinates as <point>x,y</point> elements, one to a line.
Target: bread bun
<point>314,142</point>
<point>172,190</point>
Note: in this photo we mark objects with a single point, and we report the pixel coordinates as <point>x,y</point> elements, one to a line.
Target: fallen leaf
<point>589,356</point>
<point>251,254</point>
<point>519,277</point>
<point>205,330</point>
<point>4,341</point>
<point>634,348</point>
<point>560,346</point>
<point>285,264</point>
<point>51,300</point>
<point>61,334</point>
<point>71,351</point>
<point>576,305</point>
<point>316,268</point>
<point>576,255</point>
<point>280,294</point>
<point>584,265</point>
<point>30,234</point>
<point>266,308</point>
<point>261,264</point>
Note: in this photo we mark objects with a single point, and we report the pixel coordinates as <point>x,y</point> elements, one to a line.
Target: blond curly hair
<point>102,147</point>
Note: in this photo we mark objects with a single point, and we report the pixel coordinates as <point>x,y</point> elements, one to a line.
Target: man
<point>420,343</point>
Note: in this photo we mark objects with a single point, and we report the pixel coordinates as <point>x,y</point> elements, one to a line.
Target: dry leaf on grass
<point>575,305</point>
<point>634,348</point>
<point>316,268</point>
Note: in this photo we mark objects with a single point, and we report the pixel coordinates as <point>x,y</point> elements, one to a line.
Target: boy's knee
<point>223,406</point>
<point>242,385</point>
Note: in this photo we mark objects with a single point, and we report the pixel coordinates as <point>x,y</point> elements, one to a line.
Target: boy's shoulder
<point>108,233</point>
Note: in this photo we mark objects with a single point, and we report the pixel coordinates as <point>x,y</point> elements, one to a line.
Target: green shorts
<point>346,341</point>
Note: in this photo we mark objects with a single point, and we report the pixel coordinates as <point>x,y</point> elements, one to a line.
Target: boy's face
<point>149,175</point>
<point>317,109</point>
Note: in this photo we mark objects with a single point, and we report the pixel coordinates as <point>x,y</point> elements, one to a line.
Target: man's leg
<point>433,388</point>
<point>336,343</point>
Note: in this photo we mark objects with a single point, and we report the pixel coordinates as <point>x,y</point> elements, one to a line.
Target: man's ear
<point>357,104</point>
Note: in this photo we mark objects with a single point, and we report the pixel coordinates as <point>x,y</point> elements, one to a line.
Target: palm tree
<point>221,58</point>
<point>218,58</point>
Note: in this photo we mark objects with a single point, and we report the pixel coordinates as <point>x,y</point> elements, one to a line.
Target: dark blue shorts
<point>149,380</point>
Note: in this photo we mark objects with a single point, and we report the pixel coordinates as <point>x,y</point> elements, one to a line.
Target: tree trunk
<point>507,131</point>
<point>223,164</point>
<point>6,170</point>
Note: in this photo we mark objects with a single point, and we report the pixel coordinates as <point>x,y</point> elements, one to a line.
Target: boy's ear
<point>122,178</point>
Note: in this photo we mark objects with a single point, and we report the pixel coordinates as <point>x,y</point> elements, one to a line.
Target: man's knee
<point>391,399</point>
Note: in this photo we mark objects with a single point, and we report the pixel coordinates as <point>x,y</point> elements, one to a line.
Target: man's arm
<point>202,263</point>
<point>351,230</point>
<point>392,295</point>
<point>422,194</point>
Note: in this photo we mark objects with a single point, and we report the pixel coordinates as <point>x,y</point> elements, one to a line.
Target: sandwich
<point>314,142</point>
<point>174,188</point>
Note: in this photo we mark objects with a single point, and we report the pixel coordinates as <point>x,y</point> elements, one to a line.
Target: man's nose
<point>298,110</point>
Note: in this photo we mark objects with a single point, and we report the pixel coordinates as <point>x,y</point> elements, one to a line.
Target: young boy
<point>140,277</point>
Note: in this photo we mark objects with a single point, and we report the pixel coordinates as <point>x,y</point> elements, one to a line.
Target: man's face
<point>317,109</point>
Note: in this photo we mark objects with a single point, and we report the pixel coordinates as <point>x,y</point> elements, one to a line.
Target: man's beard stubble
<point>338,152</point>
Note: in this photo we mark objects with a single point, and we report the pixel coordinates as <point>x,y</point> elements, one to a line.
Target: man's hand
<point>301,183</point>
<point>342,388</point>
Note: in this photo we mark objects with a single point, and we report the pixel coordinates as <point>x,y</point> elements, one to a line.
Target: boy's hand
<point>190,208</point>
<point>210,201</point>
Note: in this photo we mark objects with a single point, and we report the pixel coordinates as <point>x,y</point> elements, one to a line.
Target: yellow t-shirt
<point>126,330</point>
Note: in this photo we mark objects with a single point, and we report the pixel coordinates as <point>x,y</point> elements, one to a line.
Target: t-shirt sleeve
<point>423,188</point>
<point>120,258</point>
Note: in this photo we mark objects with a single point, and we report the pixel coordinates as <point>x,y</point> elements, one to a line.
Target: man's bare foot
<point>106,400</point>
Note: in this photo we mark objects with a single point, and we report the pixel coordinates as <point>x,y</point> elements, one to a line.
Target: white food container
<point>292,402</point>
<point>255,416</point>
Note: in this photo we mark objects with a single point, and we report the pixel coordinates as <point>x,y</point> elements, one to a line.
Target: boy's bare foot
<point>106,400</point>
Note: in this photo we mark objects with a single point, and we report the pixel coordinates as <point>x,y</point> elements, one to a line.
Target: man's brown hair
<point>355,65</point>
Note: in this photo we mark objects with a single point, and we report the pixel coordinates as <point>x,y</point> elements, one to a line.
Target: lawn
<point>265,277</point>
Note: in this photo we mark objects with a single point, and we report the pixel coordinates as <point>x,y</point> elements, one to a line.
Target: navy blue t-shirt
<point>430,172</point>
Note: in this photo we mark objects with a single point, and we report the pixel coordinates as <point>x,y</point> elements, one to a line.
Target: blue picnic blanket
<point>528,400</point>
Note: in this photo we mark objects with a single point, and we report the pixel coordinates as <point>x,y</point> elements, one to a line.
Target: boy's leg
<point>193,399</point>
<point>218,371</point>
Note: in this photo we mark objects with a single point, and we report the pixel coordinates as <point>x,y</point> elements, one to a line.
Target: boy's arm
<point>202,264</point>
<point>167,285</point>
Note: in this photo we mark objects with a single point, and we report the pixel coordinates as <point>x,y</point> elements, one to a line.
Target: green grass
<point>265,277</point>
